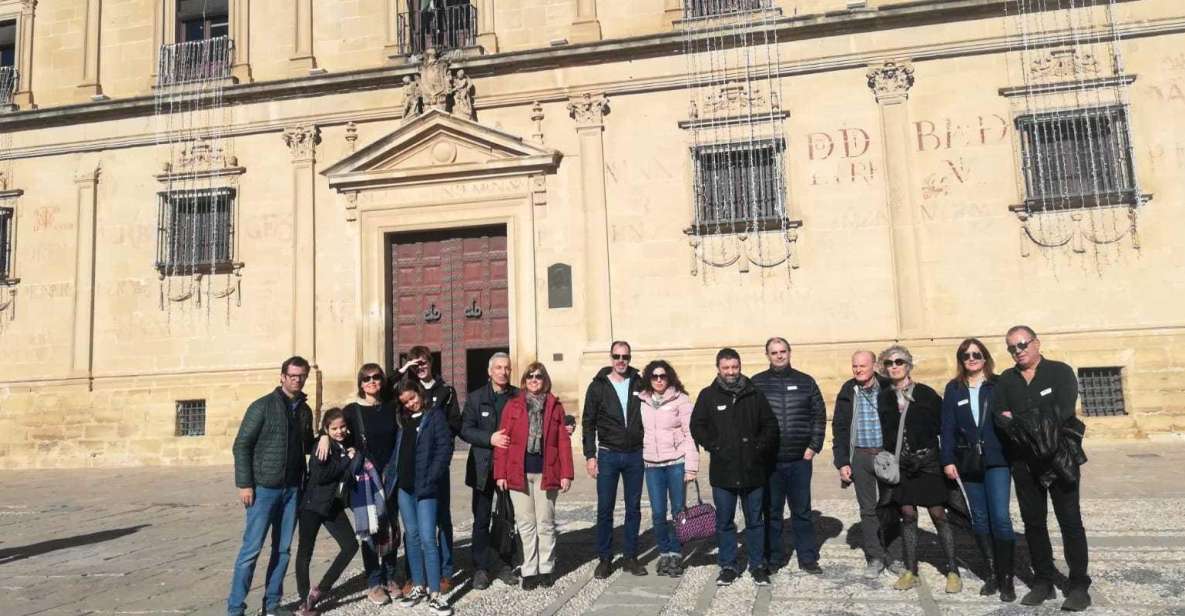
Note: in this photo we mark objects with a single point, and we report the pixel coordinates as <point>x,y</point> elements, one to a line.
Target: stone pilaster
<point>589,111</point>
<point>82,340</point>
<point>672,11</point>
<point>486,38</point>
<point>890,84</point>
<point>302,61</point>
<point>90,87</point>
<point>23,97</point>
<point>585,28</point>
<point>302,145</point>
<point>240,33</point>
<point>391,31</point>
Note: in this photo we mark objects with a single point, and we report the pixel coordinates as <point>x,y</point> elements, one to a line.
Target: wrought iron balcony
<point>8,83</point>
<point>195,61</point>
<point>695,9</point>
<point>445,28</point>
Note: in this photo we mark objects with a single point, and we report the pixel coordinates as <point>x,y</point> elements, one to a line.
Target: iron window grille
<point>8,83</point>
<point>740,186</point>
<point>191,418</point>
<point>1101,390</point>
<point>693,9</point>
<point>1077,159</point>
<point>195,231</point>
<point>6,231</point>
<point>444,28</point>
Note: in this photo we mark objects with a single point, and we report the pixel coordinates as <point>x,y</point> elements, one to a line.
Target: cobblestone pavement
<point>161,541</point>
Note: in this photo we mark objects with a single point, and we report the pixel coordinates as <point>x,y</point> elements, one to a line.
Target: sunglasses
<point>535,376</point>
<point>895,362</point>
<point>371,378</point>
<point>970,356</point>
<point>1018,348</point>
<point>659,377</point>
<point>621,356</point>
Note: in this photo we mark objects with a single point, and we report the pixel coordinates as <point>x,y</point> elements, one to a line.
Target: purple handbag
<point>695,522</point>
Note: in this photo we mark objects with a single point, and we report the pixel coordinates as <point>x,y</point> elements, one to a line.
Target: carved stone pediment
<point>439,147</point>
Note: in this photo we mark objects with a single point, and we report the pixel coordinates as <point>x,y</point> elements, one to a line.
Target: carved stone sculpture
<point>434,81</point>
<point>462,95</point>
<point>413,104</point>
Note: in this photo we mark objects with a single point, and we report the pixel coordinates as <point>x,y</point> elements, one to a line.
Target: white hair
<point>498,355</point>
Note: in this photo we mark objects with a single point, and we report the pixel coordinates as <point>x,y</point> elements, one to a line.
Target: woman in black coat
<point>922,481</point>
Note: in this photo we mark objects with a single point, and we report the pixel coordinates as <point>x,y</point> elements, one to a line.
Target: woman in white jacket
<point>670,454</point>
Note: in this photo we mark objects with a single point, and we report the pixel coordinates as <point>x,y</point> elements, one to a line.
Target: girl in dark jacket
<point>422,455</point>
<point>535,466</point>
<point>967,427</point>
<point>922,482</point>
<point>320,506</point>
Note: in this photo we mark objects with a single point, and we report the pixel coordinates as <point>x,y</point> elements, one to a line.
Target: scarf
<point>535,423</point>
<point>904,396</point>
<point>368,504</point>
<point>734,388</point>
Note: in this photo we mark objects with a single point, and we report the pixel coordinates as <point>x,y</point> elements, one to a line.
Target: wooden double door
<point>449,292</point>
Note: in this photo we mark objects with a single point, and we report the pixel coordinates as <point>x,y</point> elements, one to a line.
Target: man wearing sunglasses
<point>1039,385</point>
<point>612,425</point>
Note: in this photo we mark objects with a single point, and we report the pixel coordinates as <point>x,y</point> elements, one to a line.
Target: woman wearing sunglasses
<point>535,466</point>
<point>922,482</point>
<point>972,452</point>
<point>670,456</point>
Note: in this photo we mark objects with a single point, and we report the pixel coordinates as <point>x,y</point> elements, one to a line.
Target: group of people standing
<point>386,458</point>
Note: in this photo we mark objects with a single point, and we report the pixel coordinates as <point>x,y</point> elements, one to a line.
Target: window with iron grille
<point>443,25</point>
<point>707,8</point>
<point>740,186</point>
<point>191,418</point>
<point>6,232</point>
<point>8,74</point>
<point>195,232</point>
<point>1101,390</point>
<point>1076,159</point>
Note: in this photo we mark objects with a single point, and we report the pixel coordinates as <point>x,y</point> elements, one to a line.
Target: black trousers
<point>339,527</point>
<point>483,509</point>
<point>1033,499</point>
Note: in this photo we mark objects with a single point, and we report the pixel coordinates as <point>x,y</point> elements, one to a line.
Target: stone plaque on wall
<point>559,285</point>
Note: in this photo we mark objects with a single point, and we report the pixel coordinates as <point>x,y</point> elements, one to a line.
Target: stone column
<point>240,33</point>
<point>589,112</point>
<point>82,341</point>
<point>23,97</point>
<point>486,38</point>
<point>302,61</point>
<point>585,28</point>
<point>890,83</point>
<point>302,144</point>
<point>672,11</point>
<point>391,19</point>
<point>89,87</point>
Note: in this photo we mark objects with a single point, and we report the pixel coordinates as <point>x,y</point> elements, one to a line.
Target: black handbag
<point>969,460</point>
<point>503,533</point>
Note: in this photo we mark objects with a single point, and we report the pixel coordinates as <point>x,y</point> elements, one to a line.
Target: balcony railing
<point>8,83</point>
<point>195,61</point>
<point>445,29</point>
<point>694,9</point>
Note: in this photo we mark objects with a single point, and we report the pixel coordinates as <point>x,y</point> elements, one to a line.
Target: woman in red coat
<point>535,467</point>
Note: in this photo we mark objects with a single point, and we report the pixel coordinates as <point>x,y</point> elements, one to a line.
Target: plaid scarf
<point>368,504</point>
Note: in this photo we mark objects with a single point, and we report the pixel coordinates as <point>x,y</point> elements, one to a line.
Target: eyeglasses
<point>895,362</point>
<point>1018,348</point>
<point>298,376</point>
<point>659,376</point>
<point>369,378</point>
<point>621,356</point>
<point>976,355</point>
<point>535,376</point>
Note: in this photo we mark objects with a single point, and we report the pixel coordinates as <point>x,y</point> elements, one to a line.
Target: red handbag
<point>695,522</point>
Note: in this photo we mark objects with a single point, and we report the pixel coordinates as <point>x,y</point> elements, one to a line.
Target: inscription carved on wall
<point>841,156</point>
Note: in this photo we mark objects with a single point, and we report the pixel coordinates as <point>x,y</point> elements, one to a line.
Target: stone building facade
<point>194,190</point>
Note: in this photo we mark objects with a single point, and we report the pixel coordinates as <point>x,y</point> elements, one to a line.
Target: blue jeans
<point>444,527</point>
<point>790,482</point>
<point>274,509</point>
<point>665,482</point>
<point>726,528</point>
<point>629,467</point>
<point>419,533</point>
<point>989,503</point>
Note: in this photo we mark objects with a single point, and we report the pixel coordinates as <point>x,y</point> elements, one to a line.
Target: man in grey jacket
<point>270,449</point>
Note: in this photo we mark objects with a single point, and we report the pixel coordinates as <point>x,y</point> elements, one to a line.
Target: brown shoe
<point>407,586</point>
<point>378,595</point>
<point>446,584</point>
<point>394,590</point>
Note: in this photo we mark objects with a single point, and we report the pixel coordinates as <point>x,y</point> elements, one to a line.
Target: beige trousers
<point>534,516</point>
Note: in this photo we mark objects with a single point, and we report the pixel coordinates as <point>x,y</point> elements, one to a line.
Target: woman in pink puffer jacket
<point>670,454</point>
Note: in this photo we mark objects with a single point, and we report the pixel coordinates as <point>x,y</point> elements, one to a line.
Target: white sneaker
<point>412,598</point>
<point>438,605</point>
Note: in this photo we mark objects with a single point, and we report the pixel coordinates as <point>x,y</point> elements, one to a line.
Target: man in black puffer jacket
<point>798,405</point>
<point>270,449</point>
<point>733,421</point>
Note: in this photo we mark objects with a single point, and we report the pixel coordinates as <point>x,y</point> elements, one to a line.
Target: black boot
<point>1005,568</point>
<point>990,583</point>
